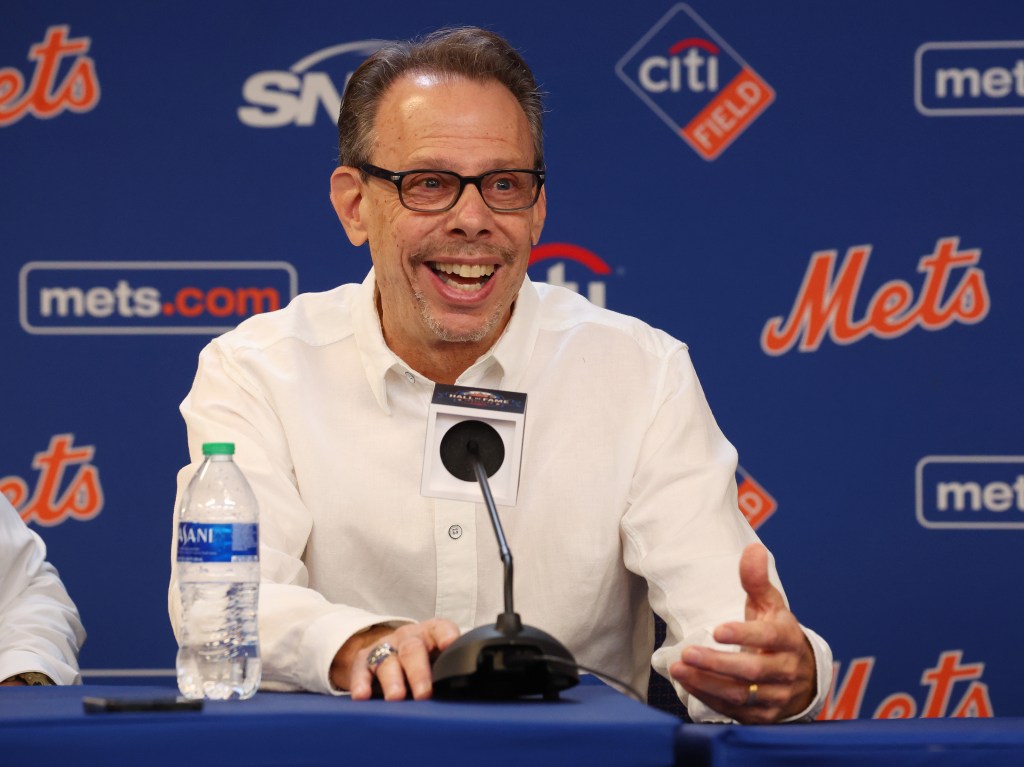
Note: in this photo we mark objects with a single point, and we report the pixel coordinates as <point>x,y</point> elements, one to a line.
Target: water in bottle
<point>218,577</point>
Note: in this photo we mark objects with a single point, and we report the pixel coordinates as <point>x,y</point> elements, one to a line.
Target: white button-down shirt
<point>627,498</point>
<point>39,625</point>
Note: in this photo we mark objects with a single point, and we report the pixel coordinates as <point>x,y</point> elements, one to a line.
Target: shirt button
<point>410,377</point>
<point>455,532</point>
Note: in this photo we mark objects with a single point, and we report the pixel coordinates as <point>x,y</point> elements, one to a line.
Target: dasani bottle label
<point>198,542</point>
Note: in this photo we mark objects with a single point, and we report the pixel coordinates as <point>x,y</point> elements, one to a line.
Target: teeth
<point>469,271</point>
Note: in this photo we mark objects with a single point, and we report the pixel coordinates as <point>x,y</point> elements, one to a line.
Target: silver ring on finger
<point>378,655</point>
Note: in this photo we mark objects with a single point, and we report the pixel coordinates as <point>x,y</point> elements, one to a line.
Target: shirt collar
<point>514,348</point>
<point>510,354</point>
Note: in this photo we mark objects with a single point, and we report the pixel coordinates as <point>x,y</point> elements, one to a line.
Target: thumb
<point>762,596</point>
<point>444,632</point>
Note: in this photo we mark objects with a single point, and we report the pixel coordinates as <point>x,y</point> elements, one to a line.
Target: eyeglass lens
<point>501,190</point>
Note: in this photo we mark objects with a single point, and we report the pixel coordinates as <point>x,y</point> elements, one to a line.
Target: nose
<point>470,217</point>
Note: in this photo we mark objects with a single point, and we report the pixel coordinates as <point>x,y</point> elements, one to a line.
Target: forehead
<point>451,120</point>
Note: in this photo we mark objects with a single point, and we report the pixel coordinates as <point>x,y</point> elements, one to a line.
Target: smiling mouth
<point>465,277</point>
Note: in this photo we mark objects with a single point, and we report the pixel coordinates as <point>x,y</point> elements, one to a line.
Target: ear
<point>347,198</point>
<point>538,214</point>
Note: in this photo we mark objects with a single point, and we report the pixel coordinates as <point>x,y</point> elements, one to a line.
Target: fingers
<point>762,596</point>
<point>782,669</point>
<point>407,668</point>
<point>738,699</point>
<point>747,687</point>
<point>780,633</point>
<point>744,667</point>
<point>390,676</point>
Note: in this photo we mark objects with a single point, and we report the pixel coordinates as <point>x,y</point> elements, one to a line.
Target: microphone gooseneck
<point>505,660</point>
<point>485,487</point>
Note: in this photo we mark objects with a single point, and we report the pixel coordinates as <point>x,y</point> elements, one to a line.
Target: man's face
<point>447,277</point>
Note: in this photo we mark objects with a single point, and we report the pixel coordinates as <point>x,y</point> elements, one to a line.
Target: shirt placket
<point>455,544</point>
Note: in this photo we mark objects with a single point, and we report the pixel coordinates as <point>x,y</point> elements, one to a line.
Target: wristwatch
<point>31,678</point>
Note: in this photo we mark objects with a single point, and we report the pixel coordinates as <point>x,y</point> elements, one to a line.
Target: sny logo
<point>969,78</point>
<point>696,83</point>
<point>78,91</point>
<point>291,97</point>
<point>825,305</point>
<point>49,505</point>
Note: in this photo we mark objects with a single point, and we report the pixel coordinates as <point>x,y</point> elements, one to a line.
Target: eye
<point>503,182</point>
<point>426,181</point>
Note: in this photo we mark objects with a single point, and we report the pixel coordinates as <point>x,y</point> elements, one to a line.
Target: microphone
<point>509,659</point>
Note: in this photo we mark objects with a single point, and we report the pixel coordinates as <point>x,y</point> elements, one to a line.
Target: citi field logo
<point>312,85</point>
<point>59,495</point>
<point>64,79</point>
<point>149,297</point>
<point>699,86</point>
<point>826,301</point>
<point>969,78</point>
<point>970,492</point>
<point>580,261</point>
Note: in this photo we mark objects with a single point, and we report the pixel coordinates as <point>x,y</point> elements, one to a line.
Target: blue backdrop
<point>823,199</point>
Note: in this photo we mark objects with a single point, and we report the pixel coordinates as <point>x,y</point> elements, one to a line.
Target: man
<point>40,632</point>
<point>627,498</point>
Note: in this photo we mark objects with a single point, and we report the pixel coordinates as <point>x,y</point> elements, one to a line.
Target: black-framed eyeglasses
<point>435,191</point>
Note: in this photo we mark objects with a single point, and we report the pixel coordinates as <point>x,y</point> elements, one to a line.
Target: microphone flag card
<point>494,411</point>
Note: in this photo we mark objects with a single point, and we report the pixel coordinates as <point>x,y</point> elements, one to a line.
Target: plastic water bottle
<point>218,577</point>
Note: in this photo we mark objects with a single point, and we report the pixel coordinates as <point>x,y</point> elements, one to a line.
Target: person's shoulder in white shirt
<point>40,629</point>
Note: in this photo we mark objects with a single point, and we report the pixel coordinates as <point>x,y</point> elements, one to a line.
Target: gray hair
<point>469,52</point>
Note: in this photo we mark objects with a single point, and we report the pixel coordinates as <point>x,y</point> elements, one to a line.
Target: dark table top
<point>592,724</point>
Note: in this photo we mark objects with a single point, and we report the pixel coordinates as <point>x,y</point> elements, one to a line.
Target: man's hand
<point>409,669</point>
<point>772,677</point>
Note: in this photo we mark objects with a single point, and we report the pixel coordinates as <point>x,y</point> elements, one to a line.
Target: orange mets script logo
<point>53,501</point>
<point>825,304</point>
<point>946,677</point>
<point>77,90</point>
<point>699,86</point>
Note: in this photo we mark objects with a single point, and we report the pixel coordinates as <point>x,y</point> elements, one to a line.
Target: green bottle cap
<point>218,448</point>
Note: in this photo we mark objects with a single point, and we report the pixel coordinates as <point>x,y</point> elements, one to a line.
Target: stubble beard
<point>433,324</point>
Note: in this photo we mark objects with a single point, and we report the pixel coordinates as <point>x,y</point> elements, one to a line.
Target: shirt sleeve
<point>40,629</point>
<point>300,631</point>
<point>683,531</point>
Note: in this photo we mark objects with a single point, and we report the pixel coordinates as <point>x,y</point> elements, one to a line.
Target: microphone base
<point>503,662</point>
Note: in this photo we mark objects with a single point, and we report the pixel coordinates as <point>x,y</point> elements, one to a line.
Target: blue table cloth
<point>894,743</point>
<point>592,724</point>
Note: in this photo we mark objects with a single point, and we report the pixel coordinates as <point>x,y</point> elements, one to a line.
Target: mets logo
<point>699,86</point>
<point>56,85</point>
<point>278,98</point>
<point>581,260</point>
<point>53,501</point>
<point>969,78</point>
<point>953,290</point>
